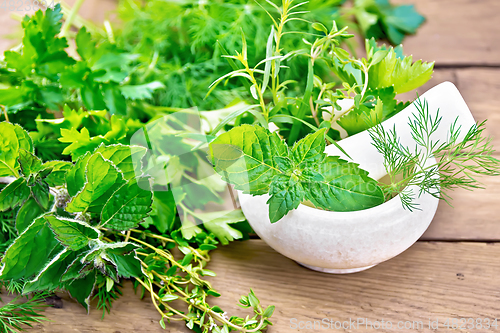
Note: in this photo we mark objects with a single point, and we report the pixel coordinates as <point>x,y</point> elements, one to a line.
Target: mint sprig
<point>257,162</point>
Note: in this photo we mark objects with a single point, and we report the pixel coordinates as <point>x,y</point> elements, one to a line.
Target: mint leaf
<point>126,158</point>
<point>128,206</point>
<point>101,177</point>
<point>29,252</point>
<point>57,176</point>
<point>75,177</point>
<point>29,163</point>
<point>40,191</point>
<point>128,265</point>
<point>346,187</point>
<point>286,194</point>
<point>49,277</point>
<point>244,157</point>
<point>81,289</point>
<point>73,234</point>
<point>310,149</point>
<point>28,212</point>
<point>12,140</point>
<point>14,194</point>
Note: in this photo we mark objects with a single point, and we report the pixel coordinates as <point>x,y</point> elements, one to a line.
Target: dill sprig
<point>14,315</point>
<point>458,162</point>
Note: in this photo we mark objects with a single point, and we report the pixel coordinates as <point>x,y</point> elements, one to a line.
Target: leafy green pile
<point>84,204</point>
<point>41,77</point>
<point>71,224</point>
<point>366,96</point>
<point>180,43</point>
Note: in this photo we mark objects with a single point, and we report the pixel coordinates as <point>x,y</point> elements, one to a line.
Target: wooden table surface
<point>452,272</point>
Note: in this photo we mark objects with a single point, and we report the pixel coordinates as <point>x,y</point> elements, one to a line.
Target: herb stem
<point>71,17</point>
<point>4,110</point>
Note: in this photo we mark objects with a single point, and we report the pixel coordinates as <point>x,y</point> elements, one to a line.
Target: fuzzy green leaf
<point>126,158</point>
<point>73,234</point>
<point>41,193</point>
<point>29,163</point>
<point>14,194</point>
<point>81,289</point>
<point>244,157</point>
<point>101,177</point>
<point>28,212</point>
<point>58,173</point>
<point>30,252</point>
<point>49,277</point>
<point>128,206</point>
<point>75,177</point>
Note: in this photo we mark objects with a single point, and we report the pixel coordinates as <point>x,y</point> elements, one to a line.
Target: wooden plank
<point>430,280</point>
<point>457,32</point>
<point>479,88</point>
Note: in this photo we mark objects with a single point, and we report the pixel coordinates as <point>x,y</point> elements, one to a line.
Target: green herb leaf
<point>28,212</point>
<point>128,206</point>
<point>244,157</point>
<point>218,224</point>
<point>403,74</point>
<point>14,194</point>
<point>30,251</point>
<point>12,140</point>
<point>73,234</point>
<point>101,177</point>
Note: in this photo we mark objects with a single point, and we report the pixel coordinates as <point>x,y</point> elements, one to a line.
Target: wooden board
<point>457,32</point>
<point>429,280</point>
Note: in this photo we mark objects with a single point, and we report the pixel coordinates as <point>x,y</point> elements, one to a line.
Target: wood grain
<point>429,280</point>
<point>457,32</point>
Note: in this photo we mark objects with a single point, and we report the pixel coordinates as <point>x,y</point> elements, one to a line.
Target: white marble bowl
<point>341,242</point>
<point>348,242</point>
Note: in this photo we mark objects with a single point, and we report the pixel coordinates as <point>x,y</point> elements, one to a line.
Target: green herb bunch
<point>79,228</point>
<point>258,162</point>
<point>366,87</point>
<point>41,77</point>
<point>180,43</point>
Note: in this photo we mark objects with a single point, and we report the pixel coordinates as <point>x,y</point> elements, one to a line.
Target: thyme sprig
<point>168,279</point>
